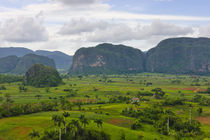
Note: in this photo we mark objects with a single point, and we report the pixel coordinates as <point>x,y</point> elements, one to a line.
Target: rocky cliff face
<point>175,56</point>
<point>108,58</point>
<point>180,55</point>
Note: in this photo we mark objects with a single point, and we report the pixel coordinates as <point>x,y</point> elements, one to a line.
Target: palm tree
<point>34,134</point>
<point>76,125</point>
<point>99,122</point>
<point>65,115</point>
<point>49,135</point>
<point>55,119</point>
<point>38,97</point>
<point>8,100</point>
<point>60,120</point>
<point>83,120</point>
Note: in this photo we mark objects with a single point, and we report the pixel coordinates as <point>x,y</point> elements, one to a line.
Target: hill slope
<point>30,59</point>
<point>7,64</point>
<point>108,58</point>
<point>19,52</point>
<point>62,60</point>
<point>180,55</point>
<point>40,75</point>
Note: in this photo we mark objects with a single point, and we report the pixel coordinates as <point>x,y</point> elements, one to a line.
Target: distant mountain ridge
<point>7,64</point>
<point>62,60</point>
<point>174,56</point>
<point>19,65</point>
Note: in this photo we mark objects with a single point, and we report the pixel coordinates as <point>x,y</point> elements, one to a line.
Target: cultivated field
<point>105,97</point>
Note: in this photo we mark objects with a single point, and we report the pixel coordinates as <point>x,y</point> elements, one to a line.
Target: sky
<point>67,25</point>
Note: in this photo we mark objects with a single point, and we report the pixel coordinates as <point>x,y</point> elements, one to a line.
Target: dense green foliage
<point>8,109</point>
<point>165,121</point>
<point>42,76</point>
<point>72,130</point>
<point>10,78</point>
<point>127,107</point>
<point>108,58</point>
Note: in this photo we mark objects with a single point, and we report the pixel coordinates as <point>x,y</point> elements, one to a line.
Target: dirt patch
<point>190,89</point>
<point>204,120</point>
<point>1,139</point>
<point>83,100</point>
<point>120,122</point>
<point>22,130</point>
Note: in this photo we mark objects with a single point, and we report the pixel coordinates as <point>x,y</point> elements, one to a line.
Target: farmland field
<point>108,97</point>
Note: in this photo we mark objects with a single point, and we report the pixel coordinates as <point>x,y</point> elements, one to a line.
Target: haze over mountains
<point>174,55</point>
<point>62,60</point>
<point>19,65</point>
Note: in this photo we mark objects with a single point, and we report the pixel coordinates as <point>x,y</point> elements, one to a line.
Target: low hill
<point>40,75</point>
<point>108,58</point>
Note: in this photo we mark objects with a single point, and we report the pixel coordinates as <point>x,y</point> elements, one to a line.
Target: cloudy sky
<point>67,25</point>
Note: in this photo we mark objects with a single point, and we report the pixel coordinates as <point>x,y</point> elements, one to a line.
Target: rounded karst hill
<point>40,75</point>
<point>107,59</point>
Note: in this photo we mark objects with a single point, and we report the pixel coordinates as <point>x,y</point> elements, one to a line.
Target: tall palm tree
<point>83,120</point>
<point>34,134</point>
<point>76,126</point>
<point>49,135</point>
<point>65,115</point>
<point>99,122</point>
<point>60,120</point>
<point>8,100</point>
<point>55,120</point>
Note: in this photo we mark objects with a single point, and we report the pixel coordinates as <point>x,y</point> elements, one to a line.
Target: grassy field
<point>102,88</point>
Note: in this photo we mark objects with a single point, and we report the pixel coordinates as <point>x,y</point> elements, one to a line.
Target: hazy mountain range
<point>174,55</point>
<point>62,60</point>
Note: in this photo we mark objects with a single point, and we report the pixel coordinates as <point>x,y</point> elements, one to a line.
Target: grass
<point>114,123</point>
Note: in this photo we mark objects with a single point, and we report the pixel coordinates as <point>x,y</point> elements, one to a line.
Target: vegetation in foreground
<point>142,106</point>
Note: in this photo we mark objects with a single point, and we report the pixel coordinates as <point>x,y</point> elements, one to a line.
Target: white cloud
<point>204,31</point>
<point>24,30</point>
<point>81,26</point>
<point>102,31</point>
<point>75,23</point>
<point>78,2</point>
<point>158,28</point>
